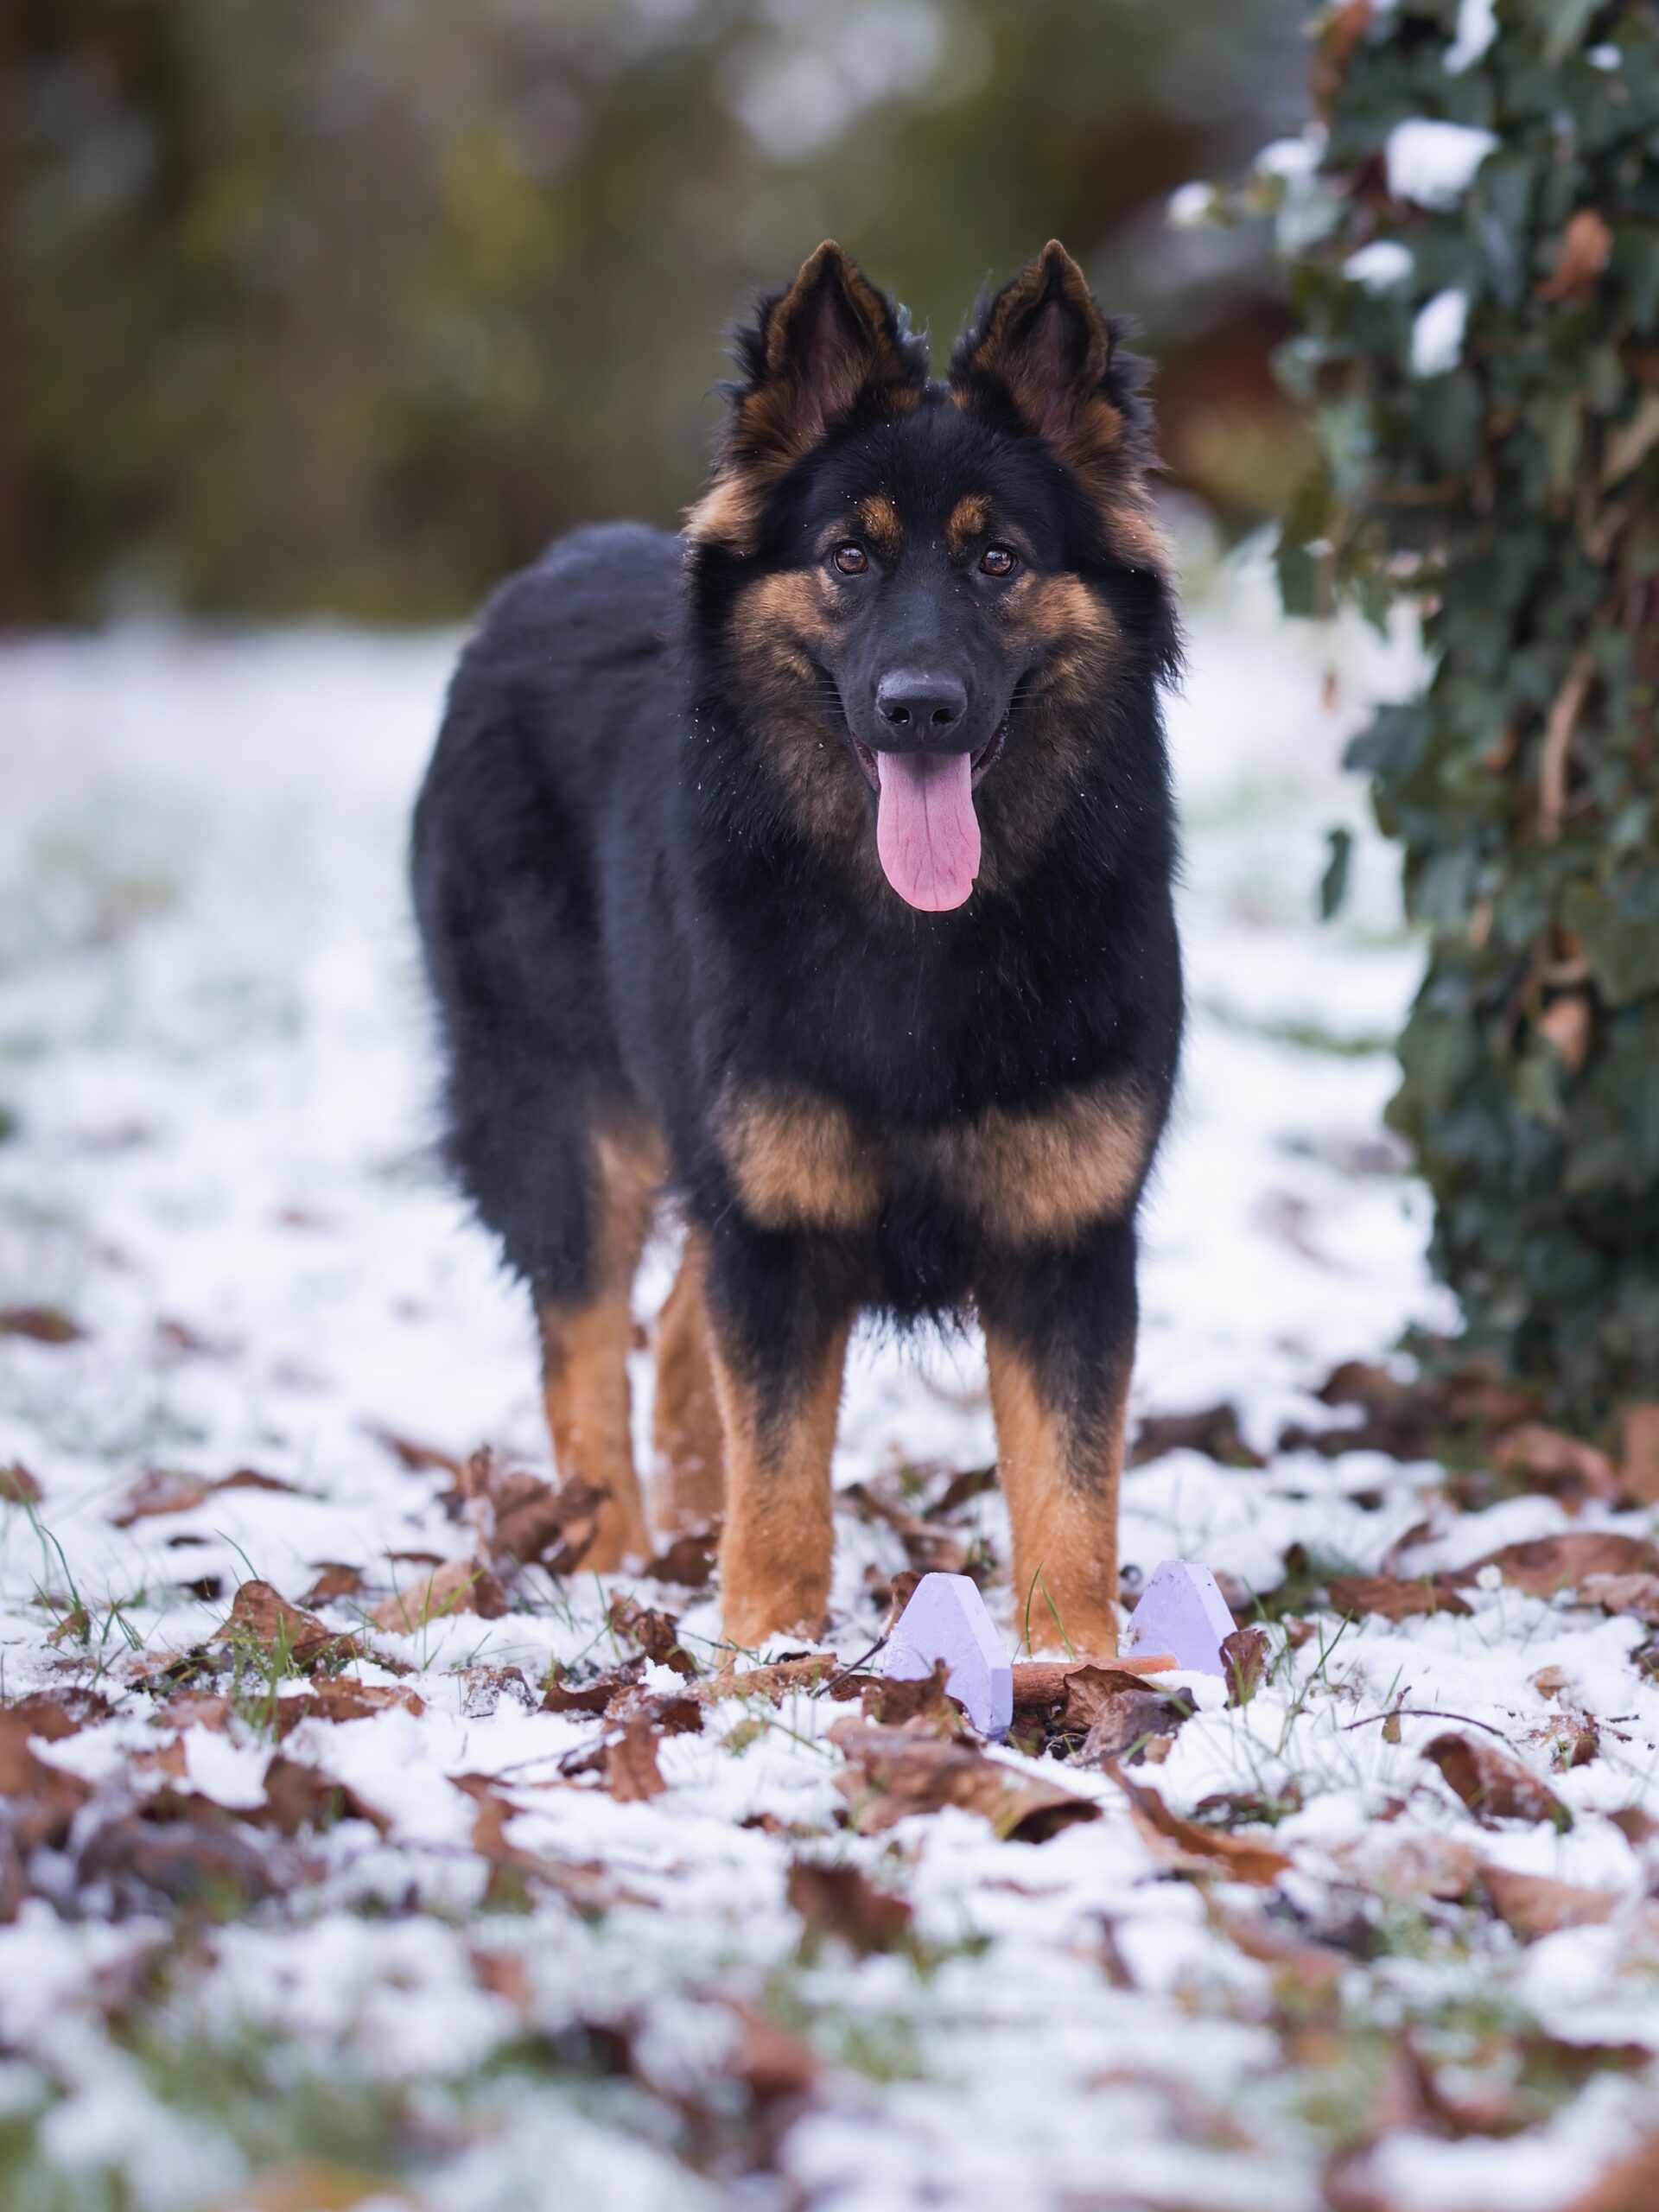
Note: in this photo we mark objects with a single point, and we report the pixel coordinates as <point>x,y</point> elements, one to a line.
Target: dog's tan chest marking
<point>1028,1176</point>
<point>799,1161</point>
<point>1037,1175</point>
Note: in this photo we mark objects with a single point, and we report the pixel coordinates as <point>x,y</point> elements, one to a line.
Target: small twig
<point>856,1666</point>
<point>1558,739</point>
<point>1422,1712</point>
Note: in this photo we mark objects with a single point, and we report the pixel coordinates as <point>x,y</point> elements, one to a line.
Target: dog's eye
<point>851,560</point>
<point>999,561</point>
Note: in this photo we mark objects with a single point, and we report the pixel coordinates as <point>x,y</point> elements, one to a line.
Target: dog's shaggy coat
<point>814,868</point>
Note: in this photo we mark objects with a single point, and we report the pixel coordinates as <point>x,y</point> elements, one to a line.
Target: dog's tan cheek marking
<point>967,520</point>
<point>1038,1177</point>
<point>798,1162</point>
<point>878,519</point>
<point>777,619</point>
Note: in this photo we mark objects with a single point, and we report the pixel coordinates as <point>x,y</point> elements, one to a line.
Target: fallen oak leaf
<point>1636,1595</point>
<point>688,1559</point>
<point>1531,1905</point>
<point>415,1458</point>
<point>774,2064</point>
<point>894,1701</point>
<point>41,1324</point>
<point>18,1486</point>
<point>842,1903</point>
<point>783,1678</point>
<point>483,1687</point>
<point>929,1550</point>
<point>513,1869</point>
<point>596,1696</point>
<point>1392,1597</point>
<point>166,1489</point>
<point>180,1845</point>
<point>259,1615</point>
<point>893,1772</point>
<point>335,1579</point>
<point>1550,1459</point>
<point>1545,1565</point>
<point>1493,1784</point>
<point>460,1585</point>
<point>626,1762</point>
<point>540,1526</point>
<point>1244,1664</point>
<point>1127,1723</point>
<point>336,1698</point>
<point>1630,2185</point>
<point>300,1796</point>
<point>1190,1848</point>
<point>657,1634</point>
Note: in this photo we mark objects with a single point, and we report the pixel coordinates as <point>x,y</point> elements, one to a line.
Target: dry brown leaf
<point>505,1974</point>
<point>892,1772</point>
<point>1585,248</point>
<point>688,1559</point>
<point>1393,1596</point>
<point>1634,1594</point>
<point>928,1550</point>
<point>18,1486</point>
<point>341,1697</point>
<point>1550,1459</point>
<point>891,1700</point>
<point>418,1459</point>
<point>657,1634</point>
<point>1244,1664</point>
<point>334,1579</point>
<point>299,1796</point>
<point>168,1761</point>
<point>267,1619</point>
<point>182,1846</point>
<point>1631,2185</point>
<point>165,1490</point>
<point>1193,1849</point>
<point>541,1526</point>
<point>1439,1866</point>
<point>774,2065</point>
<point>189,1708</point>
<point>460,1585</point>
<point>840,1902</point>
<point>1549,1564</point>
<point>482,1689</point>
<point>625,1760</point>
<point>596,1696</point>
<point>1214,1432</point>
<point>1533,1905</point>
<point>1494,1785</point>
<point>513,1869</point>
<point>783,1678</point>
<point>42,1324</point>
<point>1127,1723</point>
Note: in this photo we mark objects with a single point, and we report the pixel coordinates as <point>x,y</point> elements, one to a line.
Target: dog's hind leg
<point>586,1340</point>
<point>1059,1336</point>
<point>778,1325</point>
<point>686,1419</point>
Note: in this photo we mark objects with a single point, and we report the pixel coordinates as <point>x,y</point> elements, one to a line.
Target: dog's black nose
<point>921,709</point>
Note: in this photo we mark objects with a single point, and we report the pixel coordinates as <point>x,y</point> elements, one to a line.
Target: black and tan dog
<point>815,869</point>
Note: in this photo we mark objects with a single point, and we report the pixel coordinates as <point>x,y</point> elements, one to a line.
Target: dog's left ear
<point>1044,350</point>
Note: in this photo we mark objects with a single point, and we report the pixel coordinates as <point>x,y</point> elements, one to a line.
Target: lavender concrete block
<point>1181,1611</point>
<point>946,1619</point>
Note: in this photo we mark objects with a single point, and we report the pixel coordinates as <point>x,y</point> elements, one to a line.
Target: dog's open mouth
<point>926,829</point>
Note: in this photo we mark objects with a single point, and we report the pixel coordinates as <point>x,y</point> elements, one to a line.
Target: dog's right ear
<point>813,354</point>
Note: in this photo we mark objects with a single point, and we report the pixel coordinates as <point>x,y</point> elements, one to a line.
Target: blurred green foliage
<point>350,304</point>
<point>1504,477</point>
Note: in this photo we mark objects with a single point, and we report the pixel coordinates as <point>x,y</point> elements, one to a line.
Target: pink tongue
<point>926,831</point>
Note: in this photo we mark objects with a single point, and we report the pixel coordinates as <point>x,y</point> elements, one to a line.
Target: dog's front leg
<point>1059,1336</point>
<point>778,1332</point>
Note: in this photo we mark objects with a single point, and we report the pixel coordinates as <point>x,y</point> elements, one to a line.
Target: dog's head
<point>928,603</point>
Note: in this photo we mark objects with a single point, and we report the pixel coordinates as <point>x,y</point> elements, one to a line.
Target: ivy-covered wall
<point>1471,230</point>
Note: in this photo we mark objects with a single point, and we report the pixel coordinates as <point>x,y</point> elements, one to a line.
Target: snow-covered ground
<point>226,1983</point>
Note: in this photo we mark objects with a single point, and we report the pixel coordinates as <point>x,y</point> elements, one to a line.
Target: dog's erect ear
<point>1043,354</point>
<point>812,355</point>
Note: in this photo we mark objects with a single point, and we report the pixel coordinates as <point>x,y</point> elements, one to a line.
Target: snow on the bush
<point>1432,163</point>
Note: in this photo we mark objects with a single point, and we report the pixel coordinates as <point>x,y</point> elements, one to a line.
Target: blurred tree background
<point>349,305</point>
